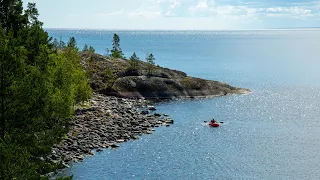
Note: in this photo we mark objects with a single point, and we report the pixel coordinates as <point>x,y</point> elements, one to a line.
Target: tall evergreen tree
<point>72,43</point>
<point>116,51</point>
<point>150,60</point>
<point>85,48</point>
<point>32,14</point>
<point>62,44</point>
<point>55,45</point>
<point>134,62</point>
<point>91,49</point>
<point>11,15</point>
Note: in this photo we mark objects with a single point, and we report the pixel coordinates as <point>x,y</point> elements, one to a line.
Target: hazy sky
<point>178,14</point>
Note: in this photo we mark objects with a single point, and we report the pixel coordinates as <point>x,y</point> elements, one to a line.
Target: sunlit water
<point>273,133</point>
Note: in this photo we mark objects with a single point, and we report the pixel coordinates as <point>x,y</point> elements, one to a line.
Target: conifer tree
<point>92,50</point>
<point>150,60</point>
<point>134,62</point>
<point>72,43</point>
<point>116,51</point>
<point>55,45</point>
<point>85,48</point>
<point>62,44</point>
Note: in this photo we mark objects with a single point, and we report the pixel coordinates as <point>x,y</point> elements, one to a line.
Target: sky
<point>178,14</point>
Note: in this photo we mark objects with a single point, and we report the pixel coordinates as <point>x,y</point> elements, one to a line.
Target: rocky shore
<point>114,77</point>
<point>118,112</point>
<point>105,123</point>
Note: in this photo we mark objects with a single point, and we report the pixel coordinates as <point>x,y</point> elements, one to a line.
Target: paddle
<point>218,122</point>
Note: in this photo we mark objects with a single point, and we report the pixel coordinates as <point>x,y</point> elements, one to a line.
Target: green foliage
<point>62,44</point>
<point>107,52</point>
<point>116,51</point>
<point>85,48</point>
<point>11,16</point>
<point>88,49</point>
<point>15,161</point>
<point>150,60</point>
<point>72,43</point>
<point>91,50</point>
<point>40,82</point>
<point>134,62</point>
<point>110,79</point>
<point>55,45</point>
<point>32,14</point>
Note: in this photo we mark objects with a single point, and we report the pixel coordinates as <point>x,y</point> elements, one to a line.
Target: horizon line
<point>105,29</point>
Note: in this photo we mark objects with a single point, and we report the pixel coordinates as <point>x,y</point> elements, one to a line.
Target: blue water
<point>273,133</point>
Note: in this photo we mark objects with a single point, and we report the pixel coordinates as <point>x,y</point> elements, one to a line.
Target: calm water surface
<point>273,133</point>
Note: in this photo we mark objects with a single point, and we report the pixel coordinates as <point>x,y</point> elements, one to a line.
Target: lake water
<point>273,133</point>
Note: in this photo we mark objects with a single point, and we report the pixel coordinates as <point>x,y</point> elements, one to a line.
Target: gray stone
<point>108,122</point>
<point>114,145</point>
<point>144,112</point>
<point>152,108</point>
<point>157,115</point>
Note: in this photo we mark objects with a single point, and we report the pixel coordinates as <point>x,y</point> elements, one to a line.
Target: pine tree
<point>92,50</point>
<point>85,48</point>
<point>11,16</point>
<point>55,45</point>
<point>150,60</point>
<point>62,44</point>
<point>72,43</point>
<point>116,51</point>
<point>134,62</point>
<point>32,14</point>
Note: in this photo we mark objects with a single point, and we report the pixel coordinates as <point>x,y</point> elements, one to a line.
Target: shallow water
<point>273,133</point>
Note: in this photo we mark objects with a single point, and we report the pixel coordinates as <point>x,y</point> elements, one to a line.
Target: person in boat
<point>213,121</point>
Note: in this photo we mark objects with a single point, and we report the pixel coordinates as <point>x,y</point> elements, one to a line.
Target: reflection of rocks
<point>107,123</point>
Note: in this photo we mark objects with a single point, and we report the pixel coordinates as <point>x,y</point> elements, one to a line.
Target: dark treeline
<point>40,82</point>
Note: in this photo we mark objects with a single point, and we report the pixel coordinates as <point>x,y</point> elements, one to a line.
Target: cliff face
<point>113,77</point>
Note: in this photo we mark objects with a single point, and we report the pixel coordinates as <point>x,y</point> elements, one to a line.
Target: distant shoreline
<point>183,30</point>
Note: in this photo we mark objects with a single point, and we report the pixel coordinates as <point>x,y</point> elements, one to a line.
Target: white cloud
<point>173,6</point>
<point>291,10</point>
<point>237,13</point>
<point>201,9</point>
<point>187,14</point>
<point>202,5</point>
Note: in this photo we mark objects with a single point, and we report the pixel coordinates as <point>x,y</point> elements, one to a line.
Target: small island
<point>115,76</point>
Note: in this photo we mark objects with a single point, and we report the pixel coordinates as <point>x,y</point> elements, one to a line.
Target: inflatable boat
<point>214,124</point>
